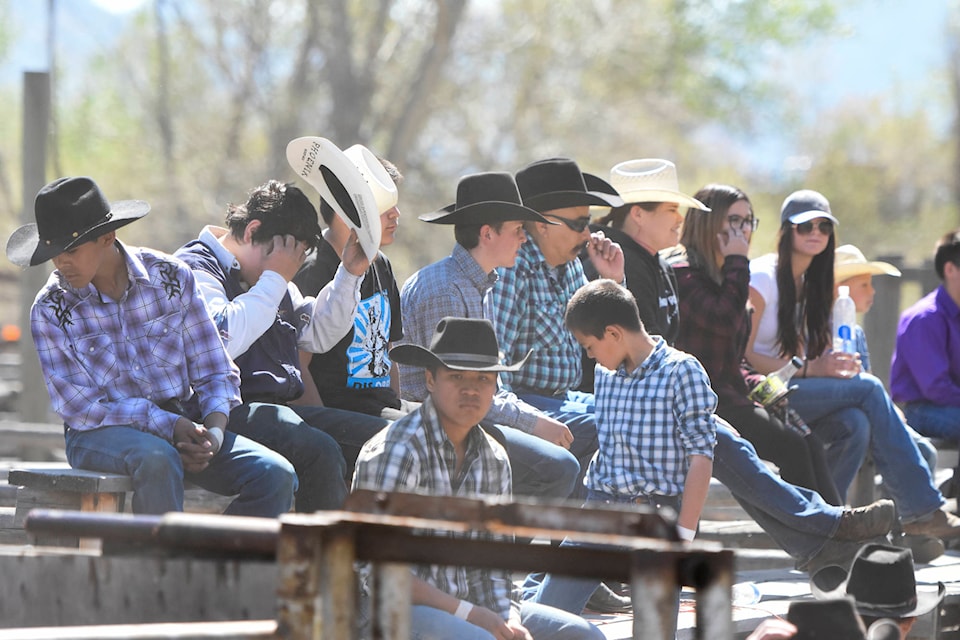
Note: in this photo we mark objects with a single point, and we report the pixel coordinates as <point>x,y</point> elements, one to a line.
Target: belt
<point>557,393</point>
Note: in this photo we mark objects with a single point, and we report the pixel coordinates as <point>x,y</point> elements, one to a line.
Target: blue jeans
<point>350,429</point>
<point>315,456</point>
<point>540,469</point>
<point>861,403</point>
<point>543,623</point>
<point>797,519</point>
<point>934,420</point>
<point>576,410</point>
<point>263,481</point>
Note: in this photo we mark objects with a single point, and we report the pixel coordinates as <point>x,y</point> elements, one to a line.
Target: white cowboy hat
<point>849,261</point>
<point>353,182</point>
<point>650,180</point>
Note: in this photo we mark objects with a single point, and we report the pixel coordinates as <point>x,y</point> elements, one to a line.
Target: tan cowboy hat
<point>69,212</point>
<point>355,184</point>
<point>651,180</point>
<point>849,261</point>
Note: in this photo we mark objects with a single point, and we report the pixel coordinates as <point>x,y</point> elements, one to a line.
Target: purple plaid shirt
<point>111,363</point>
<point>715,325</point>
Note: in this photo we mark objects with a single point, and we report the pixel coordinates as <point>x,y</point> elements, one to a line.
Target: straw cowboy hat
<point>849,261</point>
<point>353,182</point>
<point>485,198</point>
<point>651,180</point>
<point>881,581</point>
<point>464,344</point>
<point>805,205</point>
<point>69,212</point>
<point>558,183</point>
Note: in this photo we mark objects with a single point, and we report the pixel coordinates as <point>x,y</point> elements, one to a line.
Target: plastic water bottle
<point>844,322</point>
<point>775,385</point>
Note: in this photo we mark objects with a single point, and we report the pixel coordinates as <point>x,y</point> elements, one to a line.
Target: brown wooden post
<point>390,601</point>
<point>297,582</point>
<point>714,584</point>
<point>337,582</point>
<point>880,324</point>
<point>655,591</point>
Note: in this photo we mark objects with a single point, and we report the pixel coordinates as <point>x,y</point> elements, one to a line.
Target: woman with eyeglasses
<point>713,280</point>
<point>791,292</point>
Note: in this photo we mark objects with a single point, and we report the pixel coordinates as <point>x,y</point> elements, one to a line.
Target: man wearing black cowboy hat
<point>441,450</point>
<point>133,362</point>
<point>528,304</point>
<point>487,220</point>
<point>245,274</point>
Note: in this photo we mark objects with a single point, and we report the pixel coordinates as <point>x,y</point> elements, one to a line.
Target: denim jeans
<point>263,481</point>
<point>541,469</point>
<point>350,429</point>
<point>315,456</point>
<point>798,519</point>
<point>934,420</point>
<point>543,622</point>
<point>576,410</point>
<point>865,405</point>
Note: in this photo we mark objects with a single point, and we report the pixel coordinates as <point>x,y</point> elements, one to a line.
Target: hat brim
<point>844,271</point>
<point>564,199</point>
<point>490,212</point>
<point>807,216</point>
<point>662,195</point>
<point>341,185</point>
<point>831,582</point>
<point>25,249</point>
<point>417,356</point>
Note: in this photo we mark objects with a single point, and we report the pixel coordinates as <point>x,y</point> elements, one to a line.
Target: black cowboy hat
<point>464,344</point>
<point>485,198</point>
<point>69,212</point>
<point>558,183</point>
<point>881,581</point>
<point>834,619</point>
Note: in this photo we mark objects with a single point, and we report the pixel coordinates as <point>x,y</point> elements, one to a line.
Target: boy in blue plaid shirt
<point>655,421</point>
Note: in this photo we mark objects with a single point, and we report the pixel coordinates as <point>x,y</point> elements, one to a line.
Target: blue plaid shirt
<point>527,309</point>
<point>414,455</point>
<point>455,286</point>
<point>649,421</point>
<point>110,363</point>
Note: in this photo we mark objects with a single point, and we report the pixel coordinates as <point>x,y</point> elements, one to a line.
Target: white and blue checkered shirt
<point>649,421</point>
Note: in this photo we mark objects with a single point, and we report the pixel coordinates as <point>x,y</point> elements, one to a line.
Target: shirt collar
<point>210,236</point>
<point>652,361</point>
<point>472,270</point>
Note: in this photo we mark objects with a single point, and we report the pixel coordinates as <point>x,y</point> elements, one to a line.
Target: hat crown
<point>883,577</point>
<point>550,175</point>
<point>467,339</point>
<point>375,174</point>
<point>848,254</point>
<point>649,174</point>
<point>804,201</point>
<point>491,186</point>
<point>67,207</point>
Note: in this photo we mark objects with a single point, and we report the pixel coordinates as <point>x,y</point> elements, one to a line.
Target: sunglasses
<point>739,222</point>
<point>577,225</point>
<point>806,228</point>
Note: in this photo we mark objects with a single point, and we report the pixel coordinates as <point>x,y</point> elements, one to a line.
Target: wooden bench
<point>59,486</point>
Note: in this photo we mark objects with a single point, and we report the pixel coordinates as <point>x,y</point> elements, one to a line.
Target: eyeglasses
<point>739,222</point>
<point>577,224</point>
<point>806,228</point>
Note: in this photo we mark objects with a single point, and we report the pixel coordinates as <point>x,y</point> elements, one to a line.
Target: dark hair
<point>812,304</point>
<point>282,209</point>
<point>617,215</point>
<point>468,235</point>
<point>700,228</point>
<point>327,212</point>
<point>599,304</point>
<point>948,250</point>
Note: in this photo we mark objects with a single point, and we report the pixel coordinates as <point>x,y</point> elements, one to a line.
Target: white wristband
<point>463,610</point>
<point>217,434</point>
<point>686,534</point>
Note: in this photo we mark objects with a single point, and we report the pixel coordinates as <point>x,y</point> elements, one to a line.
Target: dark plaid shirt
<point>715,324</point>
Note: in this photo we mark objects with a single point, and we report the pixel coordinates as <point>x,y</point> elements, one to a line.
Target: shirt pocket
<point>96,353</point>
<point>163,337</point>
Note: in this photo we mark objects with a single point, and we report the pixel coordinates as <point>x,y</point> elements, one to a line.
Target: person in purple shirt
<point>925,371</point>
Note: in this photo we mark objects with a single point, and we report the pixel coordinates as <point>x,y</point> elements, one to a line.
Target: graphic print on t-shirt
<point>368,364</point>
